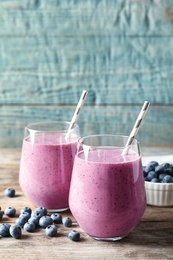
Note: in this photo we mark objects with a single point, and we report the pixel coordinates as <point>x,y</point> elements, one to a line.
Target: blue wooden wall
<point>120,51</point>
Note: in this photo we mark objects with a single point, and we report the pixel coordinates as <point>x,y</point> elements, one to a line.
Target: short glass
<point>46,163</point>
<point>107,194</point>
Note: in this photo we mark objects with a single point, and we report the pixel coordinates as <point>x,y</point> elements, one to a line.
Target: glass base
<point>57,210</point>
<point>109,238</point>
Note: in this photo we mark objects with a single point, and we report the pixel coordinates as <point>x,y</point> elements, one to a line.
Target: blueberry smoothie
<point>107,194</point>
<point>45,169</point>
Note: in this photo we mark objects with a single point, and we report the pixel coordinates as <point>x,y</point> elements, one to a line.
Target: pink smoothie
<point>107,196</point>
<point>45,170</point>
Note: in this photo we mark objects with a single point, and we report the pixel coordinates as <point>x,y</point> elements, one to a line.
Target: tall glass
<point>107,193</point>
<point>46,163</point>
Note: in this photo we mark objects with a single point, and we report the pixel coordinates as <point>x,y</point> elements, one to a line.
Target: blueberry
<point>155,180</point>
<point>151,166</point>
<point>15,231</point>
<point>45,221</point>
<point>67,222</point>
<point>21,221</point>
<point>4,230</point>
<point>57,218</point>
<point>160,169</point>
<point>169,171</point>
<point>151,175</point>
<point>26,209</point>
<point>10,192</point>
<point>51,230</point>
<point>10,211</point>
<point>1,214</point>
<point>33,220</point>
<point>144,172</point>
<point>25,214</point>
<point>166,165</point>
<point>167,179</point>
<point>42,210</point>
<point>39,212</point>
<point>74,235</point>
<point>161,176</point>
<point>29,226</point>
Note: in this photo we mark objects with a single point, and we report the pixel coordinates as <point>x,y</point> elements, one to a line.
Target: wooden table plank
<point>152,239</point>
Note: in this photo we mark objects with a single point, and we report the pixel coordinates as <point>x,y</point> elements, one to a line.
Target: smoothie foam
<point>45,170</point>
<point>107,194</point>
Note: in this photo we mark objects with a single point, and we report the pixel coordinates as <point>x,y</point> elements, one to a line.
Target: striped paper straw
<point>77,111</point>
<point>136,127</point>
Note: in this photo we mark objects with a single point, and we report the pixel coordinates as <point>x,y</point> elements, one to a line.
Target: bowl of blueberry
<point>159,183</point>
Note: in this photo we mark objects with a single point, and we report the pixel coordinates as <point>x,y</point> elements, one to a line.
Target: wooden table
<point>152,239</point>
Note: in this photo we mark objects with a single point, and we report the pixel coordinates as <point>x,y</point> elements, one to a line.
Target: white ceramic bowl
<point>159,194</point>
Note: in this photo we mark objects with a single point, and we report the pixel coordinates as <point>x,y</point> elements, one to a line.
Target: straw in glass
<point>136,127</point>
<point>77,112</point>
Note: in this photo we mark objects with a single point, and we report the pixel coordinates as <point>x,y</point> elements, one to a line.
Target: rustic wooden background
<point>121,52</point>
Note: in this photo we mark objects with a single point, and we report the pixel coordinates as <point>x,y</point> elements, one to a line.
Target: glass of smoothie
<point>46,163</point>
<point>107,194</point>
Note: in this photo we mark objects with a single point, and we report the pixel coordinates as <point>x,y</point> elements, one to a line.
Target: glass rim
<point>30,127</point>
<point>81,139</point>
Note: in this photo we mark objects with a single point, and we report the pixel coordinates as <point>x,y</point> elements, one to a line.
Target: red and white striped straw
<point>77,111</point>
<point>136,126</point>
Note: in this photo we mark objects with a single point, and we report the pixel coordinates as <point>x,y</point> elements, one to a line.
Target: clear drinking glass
<point>107,193</point>
<point>46,163</point>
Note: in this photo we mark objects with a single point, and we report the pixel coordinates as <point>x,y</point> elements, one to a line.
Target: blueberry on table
<point>74,235</point>
<point>29,227</point>
<point>26,209</point>
<point>25,215</point>
<point>67,222</point>
<point>10,192</point>
<point>42,210</point>
<point>4,230</point>
<point>10,211</point>
<point>15,231</point>
<point>51,230</point>
<point>33,220</point>
<point>21,221</point>
<point>38,213</point>
<point>56,217</point>
<point>1,214</point>
<point>45,221</point>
